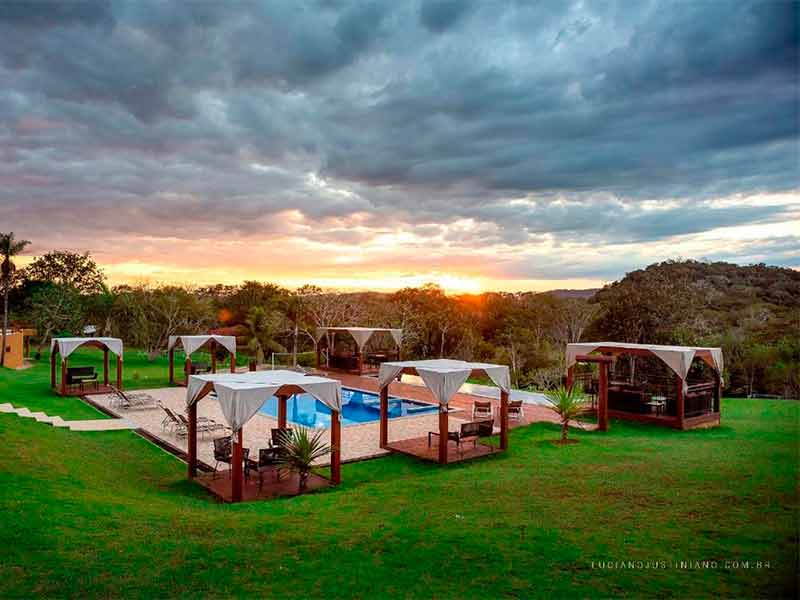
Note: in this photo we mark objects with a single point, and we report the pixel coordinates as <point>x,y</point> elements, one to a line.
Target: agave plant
<point>568,403</point>
<point>301,450</point>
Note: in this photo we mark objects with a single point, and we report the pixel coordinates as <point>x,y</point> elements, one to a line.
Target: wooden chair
<point>482,409</point>
<point>80,376</point>
<point>515,410</point>
<point>223,453</point>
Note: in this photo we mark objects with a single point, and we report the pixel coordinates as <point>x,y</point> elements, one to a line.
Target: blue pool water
<point>358,407</point>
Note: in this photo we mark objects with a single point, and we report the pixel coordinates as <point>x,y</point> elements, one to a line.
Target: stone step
<point>7,408</point>
<point>24,412</point>
<point>101,425</point>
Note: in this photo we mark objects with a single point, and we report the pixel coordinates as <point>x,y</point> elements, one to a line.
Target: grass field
<point>108,514</point>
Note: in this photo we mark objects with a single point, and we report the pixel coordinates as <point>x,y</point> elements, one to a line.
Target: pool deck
<point>359,441</point>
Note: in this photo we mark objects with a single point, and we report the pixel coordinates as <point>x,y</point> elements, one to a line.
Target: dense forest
<point>752,312</point>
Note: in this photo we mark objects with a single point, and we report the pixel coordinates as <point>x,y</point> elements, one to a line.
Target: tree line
<point>751,312</point>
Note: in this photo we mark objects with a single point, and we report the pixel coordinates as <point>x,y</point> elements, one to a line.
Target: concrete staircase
<point>83,425</point>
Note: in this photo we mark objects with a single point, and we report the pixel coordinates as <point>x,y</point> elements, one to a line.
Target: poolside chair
<point>223,453</point>
<point>129,400</point>
<point>204,424</point>
<point>515,410</point>
<point>482,409</point>
<point>171,422</point>
<point>269,459</point>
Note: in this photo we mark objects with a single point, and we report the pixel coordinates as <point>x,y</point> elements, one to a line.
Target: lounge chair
<point>129,400</point>
<point>515,410</point>
<point>171,422</point>
<point>204,424</point>
<point>482,409</point>
<point>223,453</point>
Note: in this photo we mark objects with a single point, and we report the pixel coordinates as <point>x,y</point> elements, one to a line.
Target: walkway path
<point>82,425</point>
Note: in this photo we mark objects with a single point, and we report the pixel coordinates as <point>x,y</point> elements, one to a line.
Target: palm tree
<point>262,326</point>
<point>9,247</point>
<point>568,403</point>
<point>300,451</point>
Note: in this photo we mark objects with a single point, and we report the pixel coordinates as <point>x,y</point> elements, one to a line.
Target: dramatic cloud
<point>377,143</point>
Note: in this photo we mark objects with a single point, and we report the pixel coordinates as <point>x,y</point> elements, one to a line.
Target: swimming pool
<point>357,407</point>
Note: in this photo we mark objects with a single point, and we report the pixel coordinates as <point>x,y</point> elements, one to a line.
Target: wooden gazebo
<point>193,343</point>
<point>686,399</point>
<point>359,361</point>
<point>241,395</point>
<point>443,378</point>
<point>63,347</point>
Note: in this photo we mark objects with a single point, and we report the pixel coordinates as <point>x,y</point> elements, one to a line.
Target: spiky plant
<point>568,403</point>
<point>301,450</point>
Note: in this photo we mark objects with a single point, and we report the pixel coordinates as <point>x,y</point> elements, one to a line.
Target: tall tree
<point>9,248</point>
<point>63,267</point>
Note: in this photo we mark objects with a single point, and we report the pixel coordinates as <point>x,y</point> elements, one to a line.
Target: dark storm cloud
<point>528,119</point>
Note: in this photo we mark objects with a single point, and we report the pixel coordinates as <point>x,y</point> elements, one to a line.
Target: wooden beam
<point>602,400</point>
<point>384,396</point>
<point>105,366</point>
<point>282,411</point>
<point>172,366</point>
<point>336,448</point>
<point>192,440</point>
<point>213,346</point>
<point>119,372</point>
<point>503,420</point>
<point>237,464</point>
<point>233,362</point>
<point>443,431</point>
<point>570,377</point>
<point>680,403</point>
<point>53,368</point>
<point>63,376</point>
<point>187,369</point>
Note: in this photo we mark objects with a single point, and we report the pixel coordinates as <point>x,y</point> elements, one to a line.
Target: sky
<point>375,145</point>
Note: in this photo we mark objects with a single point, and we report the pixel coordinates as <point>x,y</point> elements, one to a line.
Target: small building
<point>16,346</point>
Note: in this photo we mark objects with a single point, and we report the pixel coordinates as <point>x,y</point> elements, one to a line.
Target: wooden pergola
<point>361,337</point>
<point>66,346</point>
<point>193,343</point>
<point>241,395</point>
<point>443,378</point>
<point>678,359</point>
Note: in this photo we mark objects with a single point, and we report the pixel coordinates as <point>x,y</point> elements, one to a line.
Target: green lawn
<point>107,513</point>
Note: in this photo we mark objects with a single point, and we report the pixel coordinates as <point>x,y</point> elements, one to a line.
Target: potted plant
<point>301,449</point>
<point>568,403</point>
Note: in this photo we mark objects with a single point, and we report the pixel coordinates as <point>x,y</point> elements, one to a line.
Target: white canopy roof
<point>67,346</point>
<point>191,343</point>
<point>444,377</point>
<point>241,395</point>
<point>362,334</point>
<point>677,358</point>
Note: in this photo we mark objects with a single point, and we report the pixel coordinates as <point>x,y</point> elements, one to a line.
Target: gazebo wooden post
<point>570,377</point>
<point>187,369</point>
<point>192,440</point>
<point>360,361</point>
<point>237,465</point>
<point>213,347</point>
<point>119,372</point>
<point>172,366</point>
<point>718,391</point>
<point>680,400</point>
<point>319,356</point>
<point>252,366</point>
<point>336,448</point>
<point>602,402</point>
<point>282,411</point>
<point>443,431</point>
<point>53,368</point>
<point>105,366</point>
<point>233,362</point>
<point>503,420</point>
<point>63,375</point>
<point>384,395</point>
